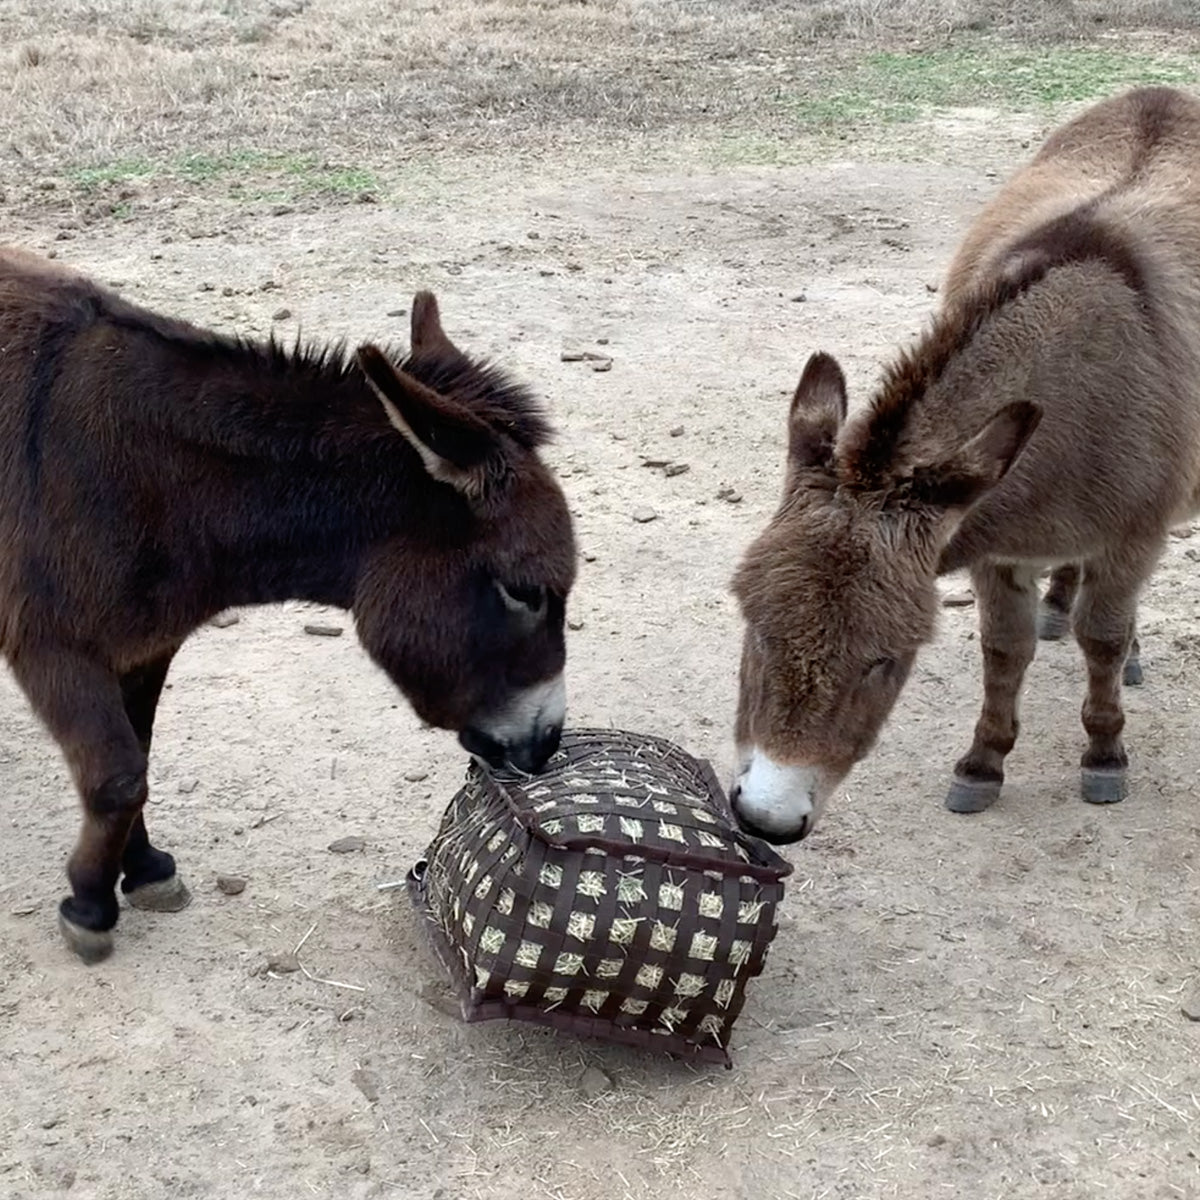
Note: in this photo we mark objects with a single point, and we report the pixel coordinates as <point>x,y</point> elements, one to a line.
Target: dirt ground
<point>976,1008</point>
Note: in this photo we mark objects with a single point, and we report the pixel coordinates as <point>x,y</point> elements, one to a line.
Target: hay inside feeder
<point>611,896</point>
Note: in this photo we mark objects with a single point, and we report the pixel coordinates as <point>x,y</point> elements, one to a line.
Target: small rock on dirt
<point>1191,1006</point>
<point>644,515</point>
<point>416,776</point>
<point>931,286</point>
<point>572,352</point>
<point>25,910</point>
<point>282,210</point>
<point>594,1083</point>
<point>730,495</point>
<point>231,885</point>
<point>935,1140</point>
<point>588,556</point>
<point>678,431</point>
<point>323,630</point>
<point>281,314</point>
<point>575,624</point>
<point>960,599</point>
<point>225,620</point>
<point>188,784</point>
<point>348,845</point>
<point>367,1082</point>
<point>676,468</point>
<point>601,364</point>
<point>799,298</point>
<point>283,964</point>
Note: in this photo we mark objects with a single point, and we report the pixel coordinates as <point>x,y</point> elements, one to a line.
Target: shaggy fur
<point>153,473</point>
<point>1050,415</point>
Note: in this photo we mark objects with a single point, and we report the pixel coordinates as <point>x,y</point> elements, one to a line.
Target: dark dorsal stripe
<point>1075,237</point>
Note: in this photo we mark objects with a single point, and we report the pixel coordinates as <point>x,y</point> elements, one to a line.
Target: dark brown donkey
<point>152,474</point>
<point>1050,415</point>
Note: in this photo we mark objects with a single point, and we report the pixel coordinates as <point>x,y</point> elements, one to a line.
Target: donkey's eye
<point>522,597</point>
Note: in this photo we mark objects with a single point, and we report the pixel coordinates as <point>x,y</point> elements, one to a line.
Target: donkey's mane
<point>1079,236</point>
<point>487,390</point>
<point>484,388</point>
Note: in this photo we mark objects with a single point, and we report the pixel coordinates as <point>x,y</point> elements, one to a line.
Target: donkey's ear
<point>453,443</point>
<point>979,464</point>
<point>817,412</point>
<point>428,337</point>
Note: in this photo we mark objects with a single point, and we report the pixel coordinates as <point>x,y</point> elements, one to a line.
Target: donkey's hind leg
<point>1132,674</point>
<point>1054,610</point>
<point>149,879</point>
<point>1105,615</point>
<point>81,703</point>
<point>1054,618</point>
<point>1007,600</point>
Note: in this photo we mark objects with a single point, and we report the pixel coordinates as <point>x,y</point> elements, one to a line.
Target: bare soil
<point>954,1007</point>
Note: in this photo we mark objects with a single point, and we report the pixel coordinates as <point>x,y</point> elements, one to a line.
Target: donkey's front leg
<point>1104,627</point>
<point>1007,597</point>
<point>82,705</point>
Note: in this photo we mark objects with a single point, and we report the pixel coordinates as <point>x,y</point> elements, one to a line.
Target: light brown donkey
<point>1050,415</point>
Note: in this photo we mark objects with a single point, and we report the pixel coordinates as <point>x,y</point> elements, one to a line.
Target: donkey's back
<point>1133,160</point>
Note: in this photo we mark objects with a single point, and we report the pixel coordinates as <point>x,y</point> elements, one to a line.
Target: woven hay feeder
<point>611,896</point>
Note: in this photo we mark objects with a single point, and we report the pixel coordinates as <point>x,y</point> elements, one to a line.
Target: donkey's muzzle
<point>776,802</point>
<point>775,835</point>
<point>532,756</point>
<point>524,731</point>
<point>529,755</point>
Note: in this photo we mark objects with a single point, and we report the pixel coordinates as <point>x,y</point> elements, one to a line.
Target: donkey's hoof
<point>1132,675</point>
<point>165,895</point>
<point>1053,623</point>
<point>1101,785</point>
<point>972,795</point>
<point>90,945</point>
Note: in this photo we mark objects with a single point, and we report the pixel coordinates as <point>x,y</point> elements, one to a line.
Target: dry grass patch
<point>367,92</point>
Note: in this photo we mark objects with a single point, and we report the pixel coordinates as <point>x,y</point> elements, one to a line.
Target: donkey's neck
<point>1116,449</point>
<point>294,472</point>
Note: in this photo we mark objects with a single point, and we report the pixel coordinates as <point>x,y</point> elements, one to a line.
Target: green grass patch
<point>891,87</point>
<point>203,168</point>
<point>251,174</point>
<point>120,171</point>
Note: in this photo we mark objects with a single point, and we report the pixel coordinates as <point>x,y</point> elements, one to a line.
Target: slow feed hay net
<point>611,896</point>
